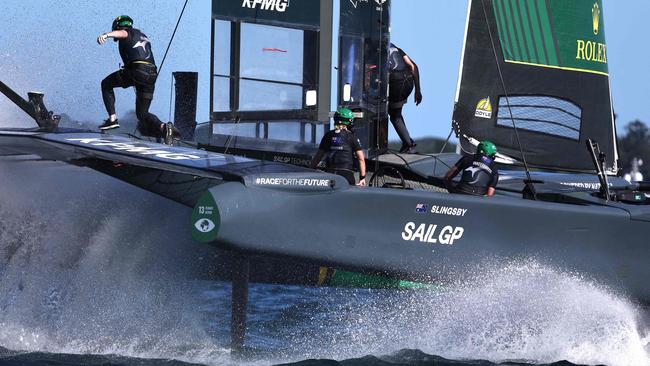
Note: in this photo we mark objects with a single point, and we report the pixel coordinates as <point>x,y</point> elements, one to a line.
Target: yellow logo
<point>595,17</point>
<point>591,50</point>
<point>484,108</point>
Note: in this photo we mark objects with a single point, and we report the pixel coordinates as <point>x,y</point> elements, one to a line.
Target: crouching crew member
<point>479,172</point>
<point>340,147</point>
<point>139,71</point>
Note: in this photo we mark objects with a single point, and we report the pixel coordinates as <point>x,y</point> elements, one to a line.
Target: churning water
<point>91,266</point>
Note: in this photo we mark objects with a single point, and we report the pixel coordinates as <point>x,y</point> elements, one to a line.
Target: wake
<point>524,312</point>
<point>107,273</point>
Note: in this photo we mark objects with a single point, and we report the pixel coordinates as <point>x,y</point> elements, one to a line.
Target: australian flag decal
<point>421,208</point>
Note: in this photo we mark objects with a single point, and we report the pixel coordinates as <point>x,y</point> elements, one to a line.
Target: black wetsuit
<point>478,174</point>
<point>340,147</point>
<point>400,86</point>
<point>139,71</point>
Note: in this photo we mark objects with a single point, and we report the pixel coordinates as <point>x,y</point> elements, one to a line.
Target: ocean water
<point>93,271</point>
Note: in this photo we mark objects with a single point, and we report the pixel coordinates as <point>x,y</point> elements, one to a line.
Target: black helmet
<point>123,21</point>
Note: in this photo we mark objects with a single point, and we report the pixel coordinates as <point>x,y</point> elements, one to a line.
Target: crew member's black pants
<point>399,88</point>
<point>143,77</point>
<point>348,174</point>
<point>469,190</point>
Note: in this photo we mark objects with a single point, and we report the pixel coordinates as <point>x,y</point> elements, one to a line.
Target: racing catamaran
<point>533,80</point>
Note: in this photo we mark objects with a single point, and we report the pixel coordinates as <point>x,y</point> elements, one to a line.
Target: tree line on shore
<point>635,143</point>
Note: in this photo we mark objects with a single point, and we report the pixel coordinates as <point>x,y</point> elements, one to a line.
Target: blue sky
<point>51,47</point>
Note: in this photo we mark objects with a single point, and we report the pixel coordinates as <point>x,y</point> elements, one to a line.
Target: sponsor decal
<point>447,210</point>
<point>430,233</point>
<point>355,3</point>
<point>141,150</point>
<point>595,17</point>
<point>591,50</point>
<point>302,182</point>
<point>270,5</point>
<point>484,108</point>
<point>380,3</point>
<point>294,160</point>
<point>421,208</point>
<point>205,219</point>
<point>587,185</point>
<point>204,225</point>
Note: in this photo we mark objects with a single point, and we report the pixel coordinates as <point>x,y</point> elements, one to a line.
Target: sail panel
<point>535,65</point>
<point>553,33</point>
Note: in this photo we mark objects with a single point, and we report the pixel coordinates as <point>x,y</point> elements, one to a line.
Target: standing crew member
<point>480,175</point>
<point>404,74</point>
<point>341,146</point>
<point>139,71</point>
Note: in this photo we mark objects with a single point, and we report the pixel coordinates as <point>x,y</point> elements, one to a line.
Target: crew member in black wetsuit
<point>341,147</point>
<point>404,74</point>
<point>139,71</point>
<point>480,175</point>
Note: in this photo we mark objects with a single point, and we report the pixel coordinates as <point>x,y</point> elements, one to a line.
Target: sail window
<point>543,114</point>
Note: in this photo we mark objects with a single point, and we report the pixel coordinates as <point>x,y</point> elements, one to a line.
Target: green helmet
<point>343,116</point>
<point>123,21</point>
<point>486,148</point>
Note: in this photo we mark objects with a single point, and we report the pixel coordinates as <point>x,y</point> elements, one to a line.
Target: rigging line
<point>505,92</point>
<point>380,75</point>
<point>172,38</point>
<point>232,137</point>
<point>435,162</point>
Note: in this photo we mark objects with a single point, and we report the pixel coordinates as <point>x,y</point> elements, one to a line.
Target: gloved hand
<point>418,97</point>
<point>102,38</point>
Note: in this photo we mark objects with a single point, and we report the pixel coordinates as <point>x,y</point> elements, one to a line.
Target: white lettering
<point>594,186</point>
<point>448,234</point>
<point>432,232</point>
<point>142,150</point>
<point>457,234</point>
<point>272,5</point>
<point>408,231</point>
<point>450,211</point>
<point>177,156</point>
<point>426,233</point>
<point>88,140</point>
<point>281,5</point>
<point>419,233</point>
<point>309,182</point>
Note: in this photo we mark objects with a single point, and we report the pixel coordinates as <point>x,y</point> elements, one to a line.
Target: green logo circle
<point>205,219</point>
